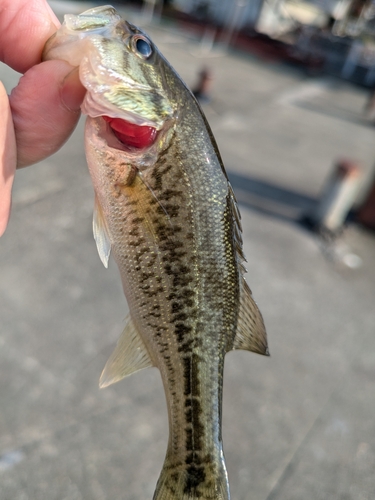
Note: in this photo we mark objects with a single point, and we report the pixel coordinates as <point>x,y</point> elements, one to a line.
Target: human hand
<point>44,108</point>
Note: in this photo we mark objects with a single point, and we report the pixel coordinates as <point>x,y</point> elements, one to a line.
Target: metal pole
<point>231,27</point>
<point>148,11</point>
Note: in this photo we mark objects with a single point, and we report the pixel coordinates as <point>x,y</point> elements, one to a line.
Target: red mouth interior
<point>131,134</point>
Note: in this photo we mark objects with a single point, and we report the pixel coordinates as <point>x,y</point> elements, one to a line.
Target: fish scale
<point>168,214</point>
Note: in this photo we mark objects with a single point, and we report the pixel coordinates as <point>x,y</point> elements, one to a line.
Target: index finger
<point>25,26</point>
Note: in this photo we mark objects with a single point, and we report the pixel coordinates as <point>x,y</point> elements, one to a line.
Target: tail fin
<point>208,481</point>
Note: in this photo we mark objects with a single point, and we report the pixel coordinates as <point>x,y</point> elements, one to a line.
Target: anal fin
<point>129,356</point>
<point>251,333</point>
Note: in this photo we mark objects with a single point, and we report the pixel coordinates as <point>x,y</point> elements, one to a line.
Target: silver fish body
<point>166,211</point>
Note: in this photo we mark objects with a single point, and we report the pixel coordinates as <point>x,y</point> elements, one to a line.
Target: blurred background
<point>287,87</point>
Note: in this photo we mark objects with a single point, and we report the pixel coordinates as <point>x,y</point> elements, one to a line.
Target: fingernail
<point>55,23</point>
<point>72,91</point>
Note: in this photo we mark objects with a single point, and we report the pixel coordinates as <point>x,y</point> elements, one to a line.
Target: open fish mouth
<point>122,128</point>
<point>131,135</point>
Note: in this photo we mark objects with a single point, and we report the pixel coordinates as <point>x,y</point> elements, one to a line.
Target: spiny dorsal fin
<point>237,227</point>
<point>101,235</point>
<point>251,333</point>
<point>130,356</point>
<point>236,212</point>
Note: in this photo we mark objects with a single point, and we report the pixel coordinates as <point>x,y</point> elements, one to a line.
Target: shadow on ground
<point>271,199</point>
<point>333,111</point>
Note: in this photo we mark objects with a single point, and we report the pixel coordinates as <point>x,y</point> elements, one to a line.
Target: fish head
<point>126,79</point>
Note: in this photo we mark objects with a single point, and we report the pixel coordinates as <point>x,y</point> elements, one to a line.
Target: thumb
<point>7,158</point>
<point>46,108</point>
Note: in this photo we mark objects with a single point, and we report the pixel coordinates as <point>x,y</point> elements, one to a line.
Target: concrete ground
<point>298,425</point>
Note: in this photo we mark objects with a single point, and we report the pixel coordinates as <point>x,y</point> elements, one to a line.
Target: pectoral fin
<point>130,355</point>
<point>101,234</point>
<point>251,333</point>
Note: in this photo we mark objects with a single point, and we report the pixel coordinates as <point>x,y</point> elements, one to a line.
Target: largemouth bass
<point>165,209</point>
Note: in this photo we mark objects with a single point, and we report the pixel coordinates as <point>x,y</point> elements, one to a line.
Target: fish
<point>165,209</point>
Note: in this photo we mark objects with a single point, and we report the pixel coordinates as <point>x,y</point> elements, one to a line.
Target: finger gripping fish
<point>166,211</point>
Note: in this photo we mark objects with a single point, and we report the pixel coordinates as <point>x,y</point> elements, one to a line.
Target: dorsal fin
<point>129,356</point>
<point>251,333</point>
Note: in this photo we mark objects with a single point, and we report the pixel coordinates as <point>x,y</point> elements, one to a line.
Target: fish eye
<point>142,47</point>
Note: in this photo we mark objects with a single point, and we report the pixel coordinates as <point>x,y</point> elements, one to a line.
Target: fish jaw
<point>71,40</point>
<point>115,74</point>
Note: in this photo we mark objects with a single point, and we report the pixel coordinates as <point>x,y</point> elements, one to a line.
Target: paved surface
<point>299,425</point>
